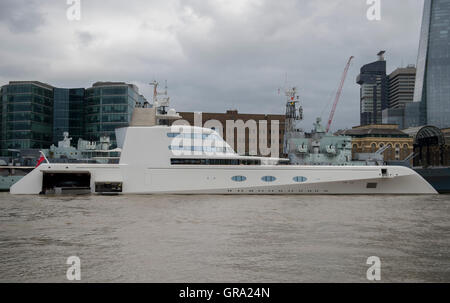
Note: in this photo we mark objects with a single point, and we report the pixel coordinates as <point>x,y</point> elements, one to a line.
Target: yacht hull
<point>284,180</point>
<point>150,165</point>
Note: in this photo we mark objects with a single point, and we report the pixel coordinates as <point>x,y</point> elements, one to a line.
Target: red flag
<point>41,159</point>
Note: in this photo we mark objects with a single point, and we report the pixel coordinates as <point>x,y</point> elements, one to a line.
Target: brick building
<point>256,133</point>
<point>370,138</point>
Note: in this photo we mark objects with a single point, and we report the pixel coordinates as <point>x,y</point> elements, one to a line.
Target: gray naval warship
<point>15,167</point>
<point>320,147</point>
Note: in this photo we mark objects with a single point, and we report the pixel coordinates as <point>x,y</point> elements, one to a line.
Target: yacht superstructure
<point>193,160</point>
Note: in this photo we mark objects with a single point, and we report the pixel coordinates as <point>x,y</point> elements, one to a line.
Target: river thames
<point>224,238</point>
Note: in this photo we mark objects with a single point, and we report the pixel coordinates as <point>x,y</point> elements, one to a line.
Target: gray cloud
<point>21,15</point>
<point>85,38</point>
<point>218,55</point>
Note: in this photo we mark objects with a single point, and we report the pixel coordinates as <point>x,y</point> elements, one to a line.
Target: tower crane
<point>338,93</point>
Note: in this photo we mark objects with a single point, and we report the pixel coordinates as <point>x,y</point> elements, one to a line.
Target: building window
<point>192,161</point>
<point>374,147</point>
<point>208,149</point>
<point>397,151</point>
<point>239,178</point>
<point>300,179</point>
<point>268,178</point>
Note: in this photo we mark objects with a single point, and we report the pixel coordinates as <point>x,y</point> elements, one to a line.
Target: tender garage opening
<point>67,182</point>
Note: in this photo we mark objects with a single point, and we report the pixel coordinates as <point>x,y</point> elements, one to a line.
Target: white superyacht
<point>150,163</point>
<point>162,159</point>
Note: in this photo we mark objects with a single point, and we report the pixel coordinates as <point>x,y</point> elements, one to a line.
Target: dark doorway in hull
<point>66,181</point>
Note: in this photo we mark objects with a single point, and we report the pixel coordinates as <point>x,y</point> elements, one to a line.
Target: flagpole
<point>43,155</point>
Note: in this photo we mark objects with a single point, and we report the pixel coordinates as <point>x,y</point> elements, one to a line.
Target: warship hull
<point>438,177</point>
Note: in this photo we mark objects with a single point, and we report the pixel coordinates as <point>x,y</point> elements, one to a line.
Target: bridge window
<point>213,137</point>
<point>210,149</point>
<point>192,161</point>
<point>300,179</point>
<point>268,178</point>
<point>239,178</point>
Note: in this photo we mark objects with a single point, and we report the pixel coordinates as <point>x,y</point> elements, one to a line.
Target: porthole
<point>239,178</point>
<point>268,178</point>
<point>300,179</point>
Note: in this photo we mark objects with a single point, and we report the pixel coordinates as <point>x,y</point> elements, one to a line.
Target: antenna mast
<point>294,113</point>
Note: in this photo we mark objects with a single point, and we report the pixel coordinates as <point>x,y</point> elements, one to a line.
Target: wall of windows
<point>26,116</point>
<point>373,92</point>
<point>206,149</point>
<point>108,106</point>
<point>438,65</point>
<point>35,114</point>
<point>432,88</point>
<point>192,161</point>
<point>68,114</point>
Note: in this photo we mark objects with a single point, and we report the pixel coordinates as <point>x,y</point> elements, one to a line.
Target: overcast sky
<point>215,54</point>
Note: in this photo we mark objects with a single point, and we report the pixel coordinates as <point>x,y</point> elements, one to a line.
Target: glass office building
<point>34,115</point>
<point>373,91</point>
<point>26,115</point>
<point>68,114</point>
<point>433,68</point>
<point>109,105</point>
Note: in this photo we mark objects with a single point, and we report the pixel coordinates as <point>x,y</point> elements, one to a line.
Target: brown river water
<point>156,238</point>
